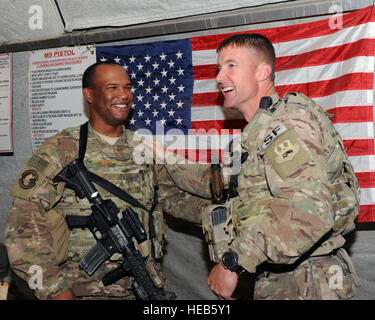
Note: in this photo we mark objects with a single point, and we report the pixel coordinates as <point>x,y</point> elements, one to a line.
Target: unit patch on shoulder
<point>28,179</point>
<point>286,154</point>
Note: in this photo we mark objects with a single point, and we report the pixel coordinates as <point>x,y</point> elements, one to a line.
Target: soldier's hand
<point>222,282</point>
<point>65,295</point>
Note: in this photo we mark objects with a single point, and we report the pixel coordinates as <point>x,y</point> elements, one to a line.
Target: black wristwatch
<point>230,262</point>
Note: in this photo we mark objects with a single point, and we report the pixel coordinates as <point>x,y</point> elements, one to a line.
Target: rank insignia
<point>28,179</point>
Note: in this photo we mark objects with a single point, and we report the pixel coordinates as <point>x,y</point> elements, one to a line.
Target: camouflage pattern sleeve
<point>193,178</point>
<point>285,209</point>
<point>187,174</point>
<point>28,237</point>
<point>176,202</point>
<point>30,250</point>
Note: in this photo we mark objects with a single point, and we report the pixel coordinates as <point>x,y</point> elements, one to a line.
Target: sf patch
<point>284,151</point>
<point>278,130</point>
<point>28,179</point>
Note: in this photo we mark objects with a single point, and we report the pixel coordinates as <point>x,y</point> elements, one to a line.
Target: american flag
<point>162,77</point>
<point>330,59</point>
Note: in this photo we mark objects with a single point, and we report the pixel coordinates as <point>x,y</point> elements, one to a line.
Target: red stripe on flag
<point>366,179</point>
<point>351,114</point>
<point>363,47</point>
<point>293,32</point>
<point>359,147</point>
<point>207,99</point>
<point>366,213</point>
<point>352,81</point>
<point>204,72</point>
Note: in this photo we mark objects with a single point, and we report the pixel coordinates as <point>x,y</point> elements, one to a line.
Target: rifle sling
<point>105,184</point>
<point>83,133</point>
<point>118,192</point>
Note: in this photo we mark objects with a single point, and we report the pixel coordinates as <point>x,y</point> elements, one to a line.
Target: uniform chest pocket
<point>138,184</point>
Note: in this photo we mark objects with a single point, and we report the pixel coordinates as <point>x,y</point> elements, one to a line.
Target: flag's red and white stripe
<point>334,66</point>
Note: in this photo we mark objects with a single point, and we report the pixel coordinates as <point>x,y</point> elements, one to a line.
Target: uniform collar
<point>121,140</point>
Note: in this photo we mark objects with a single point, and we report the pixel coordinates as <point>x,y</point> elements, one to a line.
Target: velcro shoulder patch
<point>30,178</point>
<point>285,151</point>
<point>38,163</point>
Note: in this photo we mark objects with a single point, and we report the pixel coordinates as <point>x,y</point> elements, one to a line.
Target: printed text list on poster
<point>55,90</point>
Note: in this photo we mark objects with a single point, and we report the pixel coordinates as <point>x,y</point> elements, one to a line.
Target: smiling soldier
<point>292,192</point>
<point>37,233</point>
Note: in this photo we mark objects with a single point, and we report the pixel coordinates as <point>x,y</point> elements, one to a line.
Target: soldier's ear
<point>88,94</point>
<point>264,71</point>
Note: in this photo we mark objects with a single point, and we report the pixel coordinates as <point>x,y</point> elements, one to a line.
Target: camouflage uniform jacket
<point>36,197</point>
<point>285,203</point>
<point>284,206</point>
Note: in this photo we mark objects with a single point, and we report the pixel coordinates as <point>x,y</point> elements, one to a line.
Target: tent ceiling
<point>36,24</point>
<point>15,18</point>
<point>130,12</point>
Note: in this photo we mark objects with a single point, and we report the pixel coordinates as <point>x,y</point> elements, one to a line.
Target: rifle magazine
<point>94,258</point>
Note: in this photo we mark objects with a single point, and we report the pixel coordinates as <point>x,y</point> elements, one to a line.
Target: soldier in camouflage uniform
<point>295,193</point>
<point>37,237</point>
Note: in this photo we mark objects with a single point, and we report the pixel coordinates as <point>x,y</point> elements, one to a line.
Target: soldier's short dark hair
<point>253,40</point>
<point>88,75</point>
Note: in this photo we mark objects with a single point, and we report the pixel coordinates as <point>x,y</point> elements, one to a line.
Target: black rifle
<point>112,235</point>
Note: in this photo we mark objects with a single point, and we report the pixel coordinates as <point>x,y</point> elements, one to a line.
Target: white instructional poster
<point>6,145</point>
<point>55,90</point>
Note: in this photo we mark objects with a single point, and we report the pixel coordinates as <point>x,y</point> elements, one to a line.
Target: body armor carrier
<point>138,182</point>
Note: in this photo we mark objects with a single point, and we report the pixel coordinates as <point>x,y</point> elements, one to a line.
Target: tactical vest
<point>249,179</point>
<point>115,164</point>
<point>343,184</point>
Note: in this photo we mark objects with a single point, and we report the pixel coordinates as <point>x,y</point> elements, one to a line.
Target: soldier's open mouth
<point>227,89</point>
<point>121,106</point>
